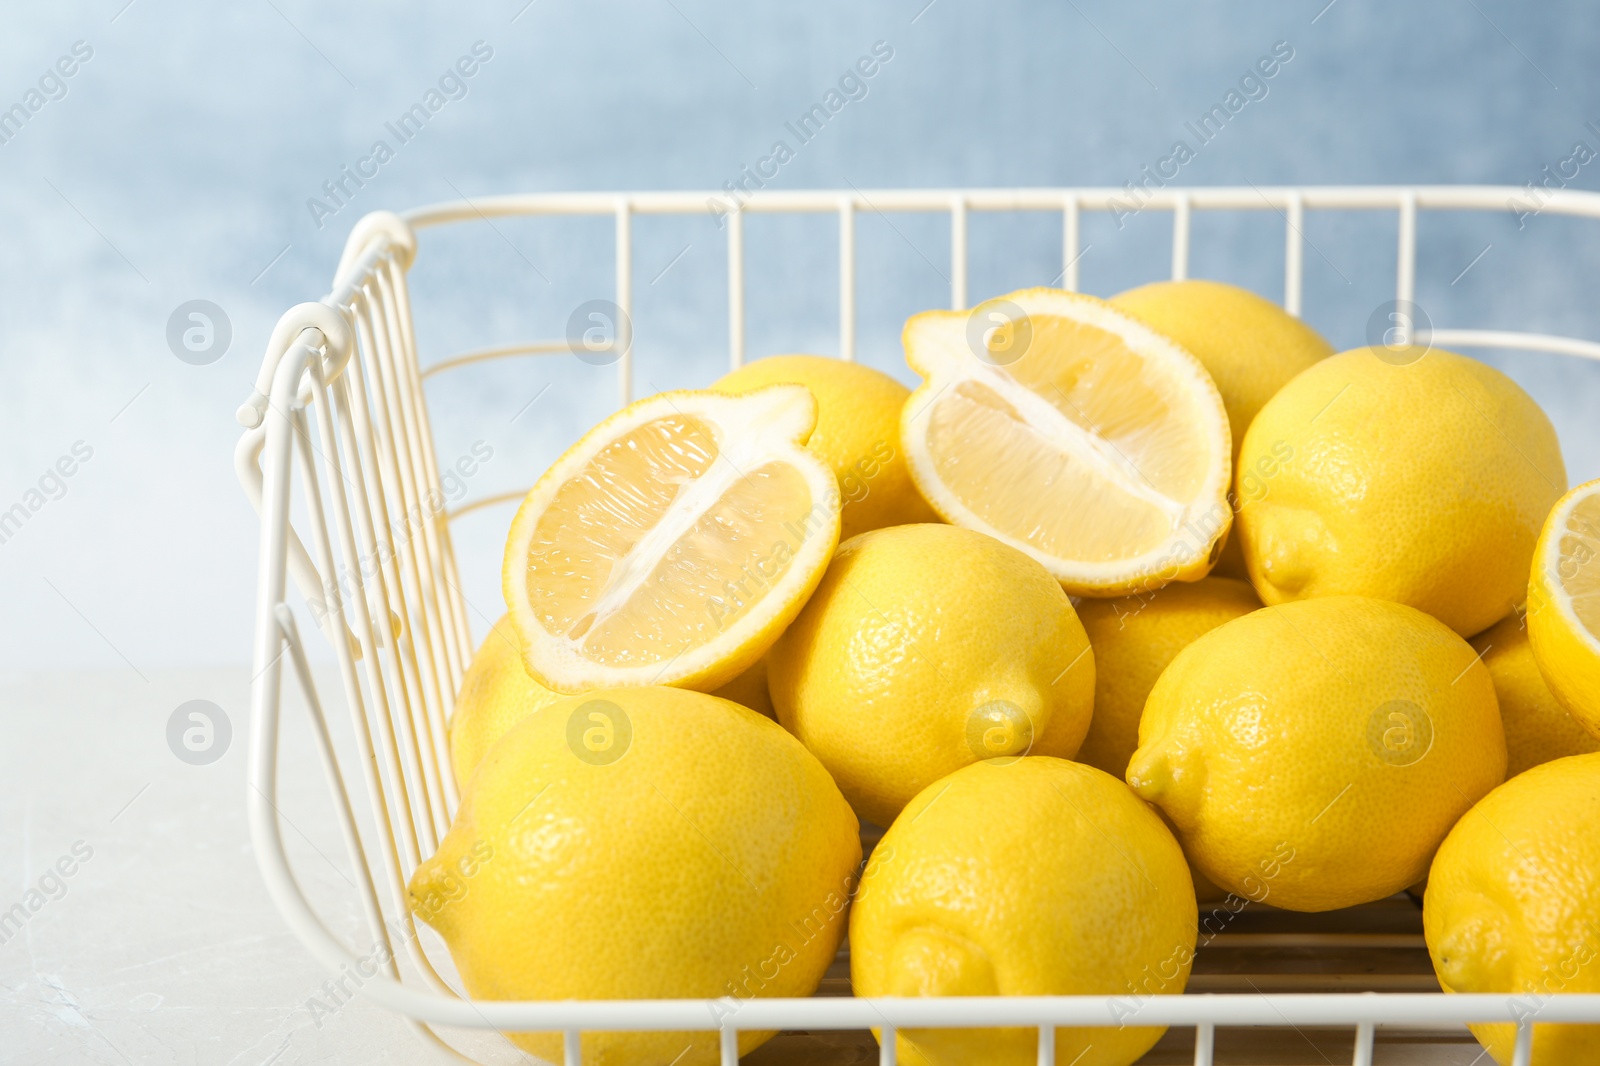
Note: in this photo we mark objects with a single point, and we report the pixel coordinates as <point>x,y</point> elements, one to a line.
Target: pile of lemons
<point>1129,605</point>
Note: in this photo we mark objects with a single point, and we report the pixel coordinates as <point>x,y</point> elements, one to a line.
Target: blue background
<point>179,163</point>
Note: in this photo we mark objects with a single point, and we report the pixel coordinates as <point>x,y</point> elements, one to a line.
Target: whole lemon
<point>926,648</point>
<point>1313,755</point>
<point>643,843</point>
<point>496,693</point>
<point>1025,877</point>
<point>1416,475</point>
<point>1249,345</point>
<point>857,434</point>
<point>1512,899</point>
<point>1537,728</point>
<point>1134,638</point>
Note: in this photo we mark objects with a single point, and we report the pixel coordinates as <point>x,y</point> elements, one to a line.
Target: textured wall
<point>177,160</point>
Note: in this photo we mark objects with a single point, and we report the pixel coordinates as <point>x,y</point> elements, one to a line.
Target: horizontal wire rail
<point>339,407</point>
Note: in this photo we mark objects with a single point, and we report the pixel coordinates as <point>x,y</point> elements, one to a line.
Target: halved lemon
<point>673,543</point>
<point>1061,426</point>
<point>1564,604</point>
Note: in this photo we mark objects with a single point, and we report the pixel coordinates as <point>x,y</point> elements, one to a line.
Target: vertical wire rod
<point>414,643</point>
<point>1047,1045</point>
<point>1365,1035</point>
<point>958,253</point>
<point>1180,237</point>
<point>1070,241</point>
<point>408,338</point>
<point>1294,254</point>
<point>1405,281</point>
<point>341,795</point>
<point>729,1040</point>
<point>622,335</point>
<point>886,1046</point>
<point>1522,1052</point>
<point>847,279</point>
<point>572,1048</point>
<point>1205,1043</point>
<point>736,289</point>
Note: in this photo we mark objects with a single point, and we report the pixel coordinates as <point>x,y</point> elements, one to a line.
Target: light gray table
<point>163,946</point>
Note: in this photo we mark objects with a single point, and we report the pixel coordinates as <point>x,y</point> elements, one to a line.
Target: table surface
<point>149,936</point>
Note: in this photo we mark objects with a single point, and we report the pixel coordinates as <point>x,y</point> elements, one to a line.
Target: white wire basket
<point>339,407</point>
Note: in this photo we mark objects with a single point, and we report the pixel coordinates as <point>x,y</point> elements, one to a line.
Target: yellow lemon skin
<point>1134,638</point>
<point>1511,903</point>
<point>1567,653</point>
<point>857,434</point>
<point>1538,729</point>
<point>749,689</point>
<point>643,843</point>
<point>1313,755</point>
<point>1249,345</point>
<point>1024,877</point>
<point>1419,476</point>
<point>496,693</point>
<point>926,648</point>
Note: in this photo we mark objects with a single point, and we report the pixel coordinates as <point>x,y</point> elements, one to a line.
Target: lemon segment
<point>673,543</point>
<point>1073,433</point>
<point>1564,604</point>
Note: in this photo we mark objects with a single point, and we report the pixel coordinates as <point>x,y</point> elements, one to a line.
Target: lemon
<point>1564,604</point>
<point>1250,346</point>
<point>1511,904</point>
<point>750,689</point>
<point>1061,426</point>
<point>643,843</point>
<point>1134,638</point>
<point>1537,728</point>
<point>1025,877</point>
<point>673,543</point>
<point>496,693</point>
<point>925,648</point>
<point>857,434</point>
<point>1313,755</point>
<point>1414,475</point>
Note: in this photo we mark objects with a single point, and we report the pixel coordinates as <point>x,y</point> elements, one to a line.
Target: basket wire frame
<point>339,405</point>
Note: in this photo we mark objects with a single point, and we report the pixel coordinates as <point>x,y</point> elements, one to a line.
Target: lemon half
<point>1564,604</point>
<point>673,543</point>
<point>1066,429</point>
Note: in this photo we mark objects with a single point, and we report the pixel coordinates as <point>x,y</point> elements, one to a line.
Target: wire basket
<point>339,408</point>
